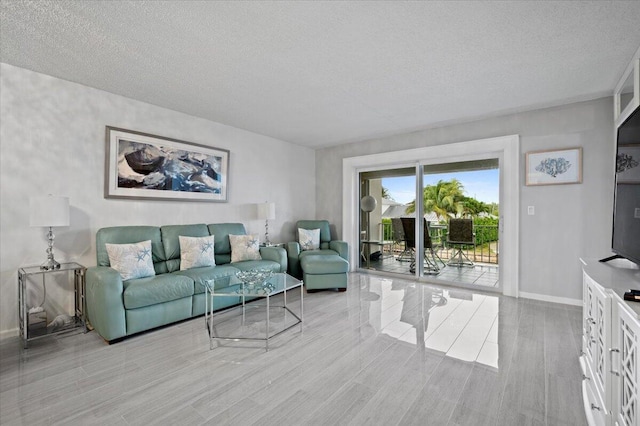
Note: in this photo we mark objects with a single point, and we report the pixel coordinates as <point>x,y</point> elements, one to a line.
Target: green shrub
<point>486,229</point>
<point>388,230</point>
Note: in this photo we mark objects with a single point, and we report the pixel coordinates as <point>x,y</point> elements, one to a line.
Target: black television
<point>626,206</point>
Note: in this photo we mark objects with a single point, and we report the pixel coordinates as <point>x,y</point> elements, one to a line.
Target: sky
<point>483,185</point>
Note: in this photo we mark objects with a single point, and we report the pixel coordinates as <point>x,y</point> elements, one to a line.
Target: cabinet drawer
<point>594,408</point>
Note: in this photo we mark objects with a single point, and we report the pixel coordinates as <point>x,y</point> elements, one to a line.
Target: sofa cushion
<point>131,260</point>
<point>220,274</point>
<point>171,241</point>
<point>223,246</point>
<point>248,265</point>
<point>223,259</point>
<point>196,252</point>
<point>244,247</point>
<point>129,235</point>
<point>153,290</point>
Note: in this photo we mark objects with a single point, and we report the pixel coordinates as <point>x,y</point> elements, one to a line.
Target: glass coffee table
<point>276,284</point>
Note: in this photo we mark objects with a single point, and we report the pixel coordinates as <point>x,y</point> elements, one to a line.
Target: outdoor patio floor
<point>481,274</point>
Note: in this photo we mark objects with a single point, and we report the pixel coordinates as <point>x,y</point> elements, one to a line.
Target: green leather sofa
<point>117,309</point>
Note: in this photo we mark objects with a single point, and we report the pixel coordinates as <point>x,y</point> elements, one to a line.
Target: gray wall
<point>52,141</point>
<point>571,221</point>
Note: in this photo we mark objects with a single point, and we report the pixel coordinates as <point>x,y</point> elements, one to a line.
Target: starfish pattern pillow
<point>309,239</point>
<point>131,260</point>
<point>196,252</point>
<point>244,247</point>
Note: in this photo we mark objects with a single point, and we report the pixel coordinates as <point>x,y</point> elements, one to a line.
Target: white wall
<point>52,140</point>
<point>571,221</point>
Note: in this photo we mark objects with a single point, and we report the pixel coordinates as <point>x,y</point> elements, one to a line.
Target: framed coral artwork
<point>144,166</point>
<point>555,167</point>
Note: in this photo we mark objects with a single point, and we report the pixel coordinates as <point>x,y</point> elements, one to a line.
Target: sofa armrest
<point>105,302</point>
<point>293,256</point>
<point>276,254</point>
<point>342,247</point>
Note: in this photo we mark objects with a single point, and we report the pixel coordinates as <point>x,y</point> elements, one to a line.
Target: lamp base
<point>267,243</point>
<point>50,265</point>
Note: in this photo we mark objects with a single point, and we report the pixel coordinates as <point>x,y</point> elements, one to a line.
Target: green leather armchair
<point>327,246</point>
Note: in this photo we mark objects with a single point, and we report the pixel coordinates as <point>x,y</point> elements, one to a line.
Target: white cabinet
<point>625,367</point>
<point>596,341</point>
<point>610,344</point>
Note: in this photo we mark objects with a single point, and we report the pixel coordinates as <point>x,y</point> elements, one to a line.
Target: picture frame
<point>144,166</point>
<point>554,167</point>
<point>628,164</point>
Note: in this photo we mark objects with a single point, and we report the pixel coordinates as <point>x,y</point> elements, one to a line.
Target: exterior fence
<point>485,250</point>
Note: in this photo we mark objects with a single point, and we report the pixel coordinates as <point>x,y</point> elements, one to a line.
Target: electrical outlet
<point>636,213</point>
<point>531,210</point>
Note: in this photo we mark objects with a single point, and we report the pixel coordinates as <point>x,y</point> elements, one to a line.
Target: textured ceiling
<point>326,73</point>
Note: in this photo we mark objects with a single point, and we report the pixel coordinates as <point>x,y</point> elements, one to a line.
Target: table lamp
<point>49,211</point>
<point>266,211</point>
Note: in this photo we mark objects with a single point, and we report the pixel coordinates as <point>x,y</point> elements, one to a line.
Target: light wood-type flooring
<point>386,352</point>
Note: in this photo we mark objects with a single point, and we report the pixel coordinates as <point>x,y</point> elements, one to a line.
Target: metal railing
<point>485,250</point>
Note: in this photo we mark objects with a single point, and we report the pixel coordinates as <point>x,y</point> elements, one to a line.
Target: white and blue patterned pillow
<point>131,260</point>
<point>244,247</point>
<point>196,251</point>
<point>309,239</point>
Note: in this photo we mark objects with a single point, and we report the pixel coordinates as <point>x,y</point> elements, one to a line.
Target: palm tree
<point>445,198</point>
<point>474,207</point>
<point>386,195</point>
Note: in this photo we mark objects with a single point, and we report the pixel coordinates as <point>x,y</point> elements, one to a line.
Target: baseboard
<point>5,334</point>
<point>552,299</point>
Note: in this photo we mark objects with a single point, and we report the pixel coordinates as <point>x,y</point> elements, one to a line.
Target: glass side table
<point>33,322</point>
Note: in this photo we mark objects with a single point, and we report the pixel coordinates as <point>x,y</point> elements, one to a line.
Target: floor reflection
<point>482,275</point>
<point>459,323</point>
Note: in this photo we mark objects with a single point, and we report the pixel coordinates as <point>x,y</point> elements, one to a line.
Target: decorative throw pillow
<point>244,247</point>
<point>309,239</point>
<point>131,260</point>
<point>196,251</point>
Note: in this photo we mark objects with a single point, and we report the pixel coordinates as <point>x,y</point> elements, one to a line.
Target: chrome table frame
<point>80,308</point>
<point>210,293</point>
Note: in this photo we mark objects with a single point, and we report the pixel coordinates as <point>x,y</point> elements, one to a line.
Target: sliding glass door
<point>457,239</point>
<point>382,243</point>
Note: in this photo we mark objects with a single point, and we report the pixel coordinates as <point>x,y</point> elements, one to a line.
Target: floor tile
<point>387,351</point>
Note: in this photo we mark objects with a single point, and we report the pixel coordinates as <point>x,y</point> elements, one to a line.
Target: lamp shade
<point>267,211</point>
<point>48,211</point>
<point>368,203</point>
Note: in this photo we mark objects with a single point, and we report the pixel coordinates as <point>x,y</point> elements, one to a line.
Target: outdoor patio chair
<point>398,238</point>
<point>460,234</point>
<point>430,257</point>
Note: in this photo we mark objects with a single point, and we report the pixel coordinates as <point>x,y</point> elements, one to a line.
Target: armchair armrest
<point>342,247</point>
<point>293,257</point>
<point>105,302</point>
<point>277,254</point>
